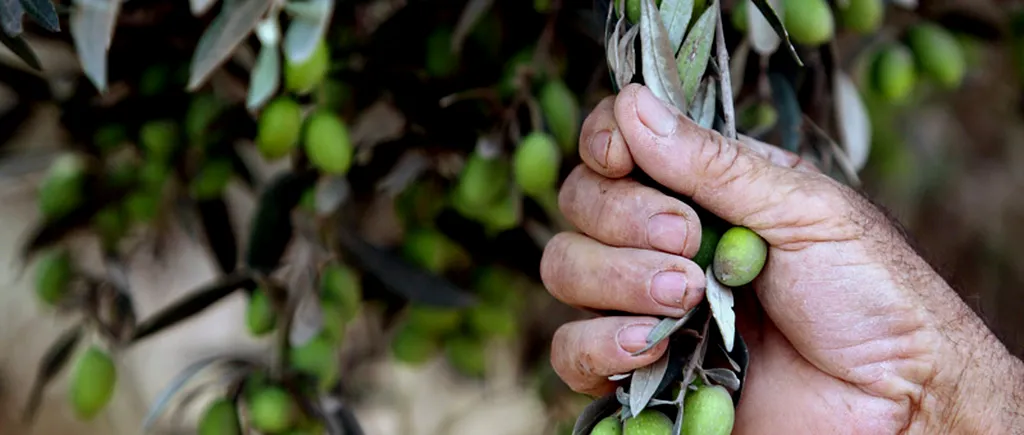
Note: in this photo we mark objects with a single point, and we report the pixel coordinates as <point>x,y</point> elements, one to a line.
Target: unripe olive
<point>109,137</point>
<point>500,286</point>
<point>260,316</point>
<point>92,383</point>
<point>739,257</point>
<point>63,188</point>
<point>648,422</point>
<point>272,410</point>
<point>341,286</point>
<point>212,179</point>
<point>154,80</point>
<point>220,418</point>
<point>110,223</point>
<point>938,54</point>
<point>328,144</point>
<point>709,237</point>
<point>53,275</point>
<point>739,15</point>
<point>333,320</point>
<point>159,138</point>
<point>608,426</point>
<point>536,163</point>
<point>893,74</point>
<point>441,61</point>
<point>809,22</point>
<point>302,77</point>
<point>202,111</point>
<point>633,9</point>
<point>482,180</point>
<point>561,113</point>
<point>862,16</point>
<point>467,355</point>
<point>708,411</point>
<point>316,358</point>
<point>411,346</point>
<point>434,320</point>
<point>522,58</point>
<point>279,128</point>
<point>762,115</point>
<point>493,321</point>
<point>420,203</point>
<point>432,250</point>
<point>142,205</point>
<point>153,174</point>
<point>500,216</point>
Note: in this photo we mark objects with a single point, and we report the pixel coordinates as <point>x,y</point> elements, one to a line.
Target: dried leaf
<point>200,7</point>
<point>627,56</point>
<point>854,123</point>
<point>233,24</point>
<point>645,383</point>
<point>11,16</point>
<point>724,377</point>
<point>471,14</point>
<point>676,15</point>
<point>664,329</point>
<point>53,361</point>
<point>195,303</point>
<point>693,56</point>
<point>594,413</point>
<point>769,16</point>
<point>661,74</point>
<point>163,400</point>
<point>265,78</point>
<point>43,13</point>
<point>307,30</point>
<point>92,28</point>
<point>331,193</point>
<point>721,300</point>
<point>272,227</point>
<point>19,47</point>
<point>220,234</point>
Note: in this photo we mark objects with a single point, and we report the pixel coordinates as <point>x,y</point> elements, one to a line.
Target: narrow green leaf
<point>664,329</point>
<point>645,382</point>
<point>92,28</point>
<point>43,13</point>
<point>21,49</point>
<point>233,24</point>
<point>272,227</point>
<point>594,413</point>
<point>53,361</point>
<point>660,72</point>
<point>768,12</point>
<point>676,15</point>
<point>304,33</point>
<point>220,234</point>
<point>163,400</point>
<point>693,57</point>
<point>195,303</point>
<point>265,79</point>
<point>11,15</point>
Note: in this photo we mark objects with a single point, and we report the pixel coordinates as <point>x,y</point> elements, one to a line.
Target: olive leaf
<point>306,30</point>
<point>196,302</point>
<point>706,117</point>
<point>200,7</point>
<point>471,14</point>
<point>720,299</point>
<point>696,51</point>
<point>697,357</point>
<point>769,16</point>
<point>265,78</point>
<point>611,41</point>
<point>180,380</point>
<point>43,13</point>
<point>53,361</point>
<point>740,359</point>
<point>664,329</point>
<point>621,395</point>
<point>331,193</point>
<point>724,377</point>
<point>220,234</point>
<point>594,413</point>
<point>272,227</point>
<point>19,47</point>
<point>92,28</point>
<point>49,232</point>
<point>660,72</point>
<point>232,25</point>
<point>11,16</point>
<point>627,50</point>
<point>676,15</point>
<point>790,115</point>
<point>645,383</point>
<point>853,121</point>
<point>763,39</point>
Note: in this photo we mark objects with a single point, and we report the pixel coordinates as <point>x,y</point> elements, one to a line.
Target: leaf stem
<point>728,111</point>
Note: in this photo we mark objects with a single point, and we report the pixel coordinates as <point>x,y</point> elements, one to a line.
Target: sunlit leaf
<point>677,14</point>
<point>645,383</point>
<point>769,14</point>
<point>92,28</point>
<point>660,72</point>
<point>721,300</point>
<point>20,48</point>
<point>11,16</point>
<point>693,56</point>
<point>43,13</point>
<point>594,413</point>
<point>265,78</point>
<point>196,302</point>
<point>306,30</point>
<point>232,25</point>
<point>53,361</point>
<point>854,123</point>
<point>471,14</point>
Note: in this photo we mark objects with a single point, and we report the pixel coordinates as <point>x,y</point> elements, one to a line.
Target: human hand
<point>850,331</point>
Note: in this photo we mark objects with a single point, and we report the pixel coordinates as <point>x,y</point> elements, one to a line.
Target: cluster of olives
<point>707,410</point>
<point>284,125</point>
<point>927,50</point>
<point>269,408</point>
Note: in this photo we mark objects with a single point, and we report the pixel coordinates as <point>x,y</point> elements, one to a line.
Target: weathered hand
<point>850,331</point>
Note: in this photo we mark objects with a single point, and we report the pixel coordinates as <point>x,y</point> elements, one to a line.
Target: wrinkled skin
<point>850,330</point>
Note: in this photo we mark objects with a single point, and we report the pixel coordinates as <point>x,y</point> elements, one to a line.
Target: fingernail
<point>634,337</point>
<point>654,114</point>
<point>599,147</point>
<point>667,232</point>
<point>668,288</point>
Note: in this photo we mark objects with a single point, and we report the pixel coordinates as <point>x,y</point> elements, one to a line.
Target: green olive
<point>272,410</point>
<point>708,411</point>
<point>467,355</point>
<point>109,137</point>
<point>110,224</point>
<point>341,285</point>
<point>893,74</point>
<point>862,16</point>
<point>63,189</point>
<point>441,61</point>
<point>938,54</point>
<point>159,138</point>
<point>53,275</point>
<point>501,216</point>
<point>92,383</point>
<point>279,128</point>
<point>738,16</point>
<point>709,237</point>
<point>302,77</point>
<point>648,422</point>
<point>809,22</point>
<point>327,143</point>
<point>333,321</point>
<point>212,179</point>
<point>482,181</point>
<point>433,251</point>
<point>142,206</point>
<point>633,9</point>
<point>202,111</point>
<point>739,256</point>
<point>522,59</point>
<point>493,321</point>
<point>317,359</point>
<point>608,426</point>
<point>561,111</point>
<point>500,286</point>
<point>220,418</point>
<point>435,321</point>
<point>536,163</point>
<point>260,315</point>
<point>412,346</point>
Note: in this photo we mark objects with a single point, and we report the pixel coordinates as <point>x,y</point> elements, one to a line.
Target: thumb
<point>721,175</point>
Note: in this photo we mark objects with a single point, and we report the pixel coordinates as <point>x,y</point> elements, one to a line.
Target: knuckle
<point>551,262</point>
<point>570,187</point>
